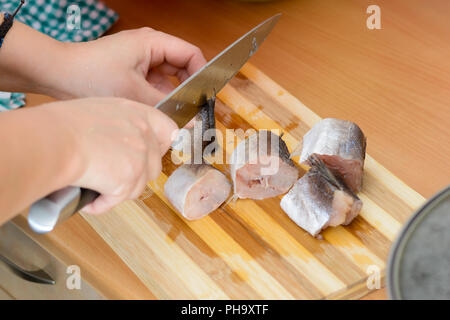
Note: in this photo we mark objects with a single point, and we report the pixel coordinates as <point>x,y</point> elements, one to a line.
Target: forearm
<point>36,157</point>
<point>31,61</point>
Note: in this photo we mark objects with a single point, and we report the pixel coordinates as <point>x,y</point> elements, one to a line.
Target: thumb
<point>162,126</point>
<point>164,129</point>
<point>102,204</point>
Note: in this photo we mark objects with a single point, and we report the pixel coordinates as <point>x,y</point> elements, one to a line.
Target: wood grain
<point>393,82</point>
<point>265,252</point>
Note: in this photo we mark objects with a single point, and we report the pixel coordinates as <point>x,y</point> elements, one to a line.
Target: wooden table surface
<point>393,82</point>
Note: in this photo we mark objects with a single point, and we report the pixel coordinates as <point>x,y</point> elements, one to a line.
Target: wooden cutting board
<point>251,249</point>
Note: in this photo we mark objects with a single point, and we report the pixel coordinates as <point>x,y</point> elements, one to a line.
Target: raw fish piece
<point>261,167</point>
<point>195,190</point>
<point>341,145</point>
<point>319,200</point>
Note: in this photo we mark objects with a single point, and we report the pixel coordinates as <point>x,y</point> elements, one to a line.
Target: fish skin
<point>200,185</point>
<point>208,121</point>
<point>191,139</point>
<point>341,145</point>
<point>319,199</point>
<point>249,180</point>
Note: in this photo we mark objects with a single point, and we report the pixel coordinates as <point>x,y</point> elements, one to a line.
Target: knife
<point>181,105</point>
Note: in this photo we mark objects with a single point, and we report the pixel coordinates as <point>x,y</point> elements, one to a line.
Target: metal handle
<point>46,213</point>
<point>36,276</point>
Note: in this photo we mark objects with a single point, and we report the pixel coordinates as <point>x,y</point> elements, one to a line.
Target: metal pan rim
<point>397,249</point>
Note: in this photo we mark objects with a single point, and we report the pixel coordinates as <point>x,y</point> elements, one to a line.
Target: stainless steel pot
<point>419,262</point>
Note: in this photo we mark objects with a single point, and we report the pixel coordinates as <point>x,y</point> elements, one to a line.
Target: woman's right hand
<point>118,144</point>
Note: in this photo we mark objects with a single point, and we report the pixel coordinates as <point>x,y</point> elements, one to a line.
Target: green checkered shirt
<point>64,20</point>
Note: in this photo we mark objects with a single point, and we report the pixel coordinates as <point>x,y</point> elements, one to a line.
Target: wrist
<point>38,157</point>
<point>56,73</point>
<point>57,143</point>
<point>68,75</point>
<point>32,62</point>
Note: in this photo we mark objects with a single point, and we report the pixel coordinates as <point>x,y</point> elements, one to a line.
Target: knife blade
<point>182,104</point>
<point>185,101</point>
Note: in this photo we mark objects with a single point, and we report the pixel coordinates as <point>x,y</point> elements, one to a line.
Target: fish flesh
<point>341,145</point>
<point>261,167</point>
<point>319,199</point>
<point>196,190</point>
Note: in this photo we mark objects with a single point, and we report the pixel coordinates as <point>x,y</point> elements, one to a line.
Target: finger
<point>156,148</point>
<point>170,70</point>
<point>183,75</point>
<point>154,166</point>
<point>163,128</point>
<point>139,188</point>
<point>160,81</point>
<point>102,204</point>
<point>176,52</point>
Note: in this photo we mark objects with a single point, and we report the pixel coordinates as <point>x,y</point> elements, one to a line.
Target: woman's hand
<point>134,64</point>
<point>119,144</point>
<point>110,145</point>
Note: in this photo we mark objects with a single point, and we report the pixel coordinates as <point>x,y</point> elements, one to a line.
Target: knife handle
<point>57,207</point>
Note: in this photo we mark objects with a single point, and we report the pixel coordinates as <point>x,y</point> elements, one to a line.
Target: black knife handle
<point>87,196</point>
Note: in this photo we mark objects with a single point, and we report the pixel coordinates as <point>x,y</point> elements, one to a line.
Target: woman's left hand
<point>134,64</point>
